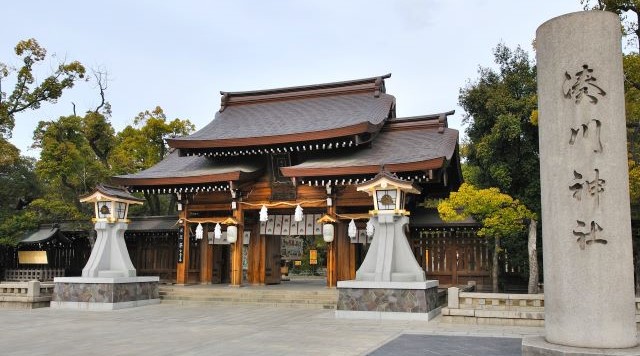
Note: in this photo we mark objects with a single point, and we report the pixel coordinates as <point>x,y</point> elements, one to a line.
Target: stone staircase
<point>274,296</point>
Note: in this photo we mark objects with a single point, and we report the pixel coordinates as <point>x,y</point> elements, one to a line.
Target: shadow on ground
<point>451,345</point>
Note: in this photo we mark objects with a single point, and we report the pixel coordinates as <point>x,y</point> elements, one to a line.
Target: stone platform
<point>387,300</point>
<point>538,346</point>
<point>102,293</point>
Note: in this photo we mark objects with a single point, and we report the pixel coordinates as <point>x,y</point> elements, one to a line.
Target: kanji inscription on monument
<point>586,229</point>
<point>582,85</point>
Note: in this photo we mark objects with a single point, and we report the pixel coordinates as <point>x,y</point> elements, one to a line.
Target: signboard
<point>222,240</point>
<point>291,247</point>
<point>297,263</point>
<point>313,257</point>
<point>246,236</point>
<point>33,257</point>
<point>181,244</point>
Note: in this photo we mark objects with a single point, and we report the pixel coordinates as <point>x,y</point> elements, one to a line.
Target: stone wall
<point>25,295</point>
<point>498,308</point>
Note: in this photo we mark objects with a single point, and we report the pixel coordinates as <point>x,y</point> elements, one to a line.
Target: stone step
<point>270,304</point>
<point>253,295</point>
<point>317,299</point>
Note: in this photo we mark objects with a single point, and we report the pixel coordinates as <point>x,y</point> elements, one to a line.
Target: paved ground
<point>166,329</point>
<point>451,345</point>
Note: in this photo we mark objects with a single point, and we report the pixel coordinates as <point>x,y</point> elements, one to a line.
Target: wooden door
<point>272,260</point>
<point>221,264</point>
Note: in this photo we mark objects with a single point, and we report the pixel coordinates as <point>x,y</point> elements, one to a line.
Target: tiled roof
<point>153,223</point>
<point>41,235</point>
<point>397,150</point>
<point>188,170</point>
<point>295,114</point>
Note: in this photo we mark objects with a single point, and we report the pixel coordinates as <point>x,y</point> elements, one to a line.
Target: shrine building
<point>256,184</point>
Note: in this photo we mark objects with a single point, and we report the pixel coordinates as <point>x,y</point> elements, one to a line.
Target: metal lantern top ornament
<point>388,192</point>
<point>111,204</point>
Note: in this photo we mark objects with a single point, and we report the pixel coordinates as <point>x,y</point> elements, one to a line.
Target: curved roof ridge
<point>307,87</point>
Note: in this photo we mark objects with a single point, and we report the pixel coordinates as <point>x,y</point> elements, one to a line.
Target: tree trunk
<point>494,268</point>
<point>533,258</point>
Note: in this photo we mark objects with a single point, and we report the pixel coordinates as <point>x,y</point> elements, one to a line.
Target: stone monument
<point>390,284</point>
<point>586,225</point>
<point>109,279</point>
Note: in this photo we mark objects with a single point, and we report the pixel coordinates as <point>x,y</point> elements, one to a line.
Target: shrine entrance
<point>221,264</point>
<point>282,249</point>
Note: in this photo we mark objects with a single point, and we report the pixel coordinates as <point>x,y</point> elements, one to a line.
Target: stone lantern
<point>390,257</point>
<point>390,284</point>
<point>109,257</point>
<point>109,279</point>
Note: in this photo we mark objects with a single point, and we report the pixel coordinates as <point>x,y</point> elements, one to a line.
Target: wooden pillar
<point>236,249</point>
<point>331,251</point>
<point>183,268</point>
<point>206,258</point>
<point>331,265</point>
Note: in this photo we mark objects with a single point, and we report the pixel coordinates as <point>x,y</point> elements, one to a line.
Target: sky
<point>180,54</point>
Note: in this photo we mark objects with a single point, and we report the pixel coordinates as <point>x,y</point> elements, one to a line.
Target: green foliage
<point>502,147</point>
<point>27,94</point>
<point>142,145</point>
<point>67,162</point>
<point>13,227</point>
<point>499,214</point>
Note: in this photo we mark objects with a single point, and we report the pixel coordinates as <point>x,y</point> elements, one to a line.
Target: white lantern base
<point>109,256</point>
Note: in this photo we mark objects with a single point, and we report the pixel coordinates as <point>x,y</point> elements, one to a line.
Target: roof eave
<point>425,165</point>
<point>360,128</point>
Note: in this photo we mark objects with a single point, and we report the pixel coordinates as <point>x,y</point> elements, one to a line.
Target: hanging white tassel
<point>298,216</point>
<point>263,214</point>
<point>199,232</point>
<point>353,231</point>
<point>217,231</point>
<point>370,229</point>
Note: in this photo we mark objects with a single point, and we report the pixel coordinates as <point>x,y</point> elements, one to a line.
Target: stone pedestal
<point>390,258</point>
<point>390,284</point>
<point>586,226</point>
<point>538,346</point>
<point>109,256</point>
<point>388,300</point>
<point>104,293</point>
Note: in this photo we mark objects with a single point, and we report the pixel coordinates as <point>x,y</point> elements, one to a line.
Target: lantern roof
<point>107,192</point>
<point>386,180</point>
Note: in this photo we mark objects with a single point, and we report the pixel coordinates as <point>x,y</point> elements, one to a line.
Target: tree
<point>67,164</point>
<point>501,216</point>
<point>502,146</point>
<point>27,94</point>
<point>21,187</point>
<point>143,145</point>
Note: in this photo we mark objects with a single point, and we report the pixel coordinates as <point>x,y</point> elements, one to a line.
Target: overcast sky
<point>180,54</point>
